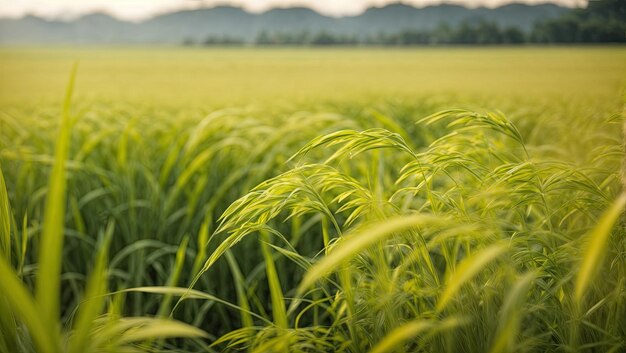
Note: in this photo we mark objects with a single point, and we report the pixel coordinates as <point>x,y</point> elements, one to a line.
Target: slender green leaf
<point>246,319</point>
<point>173,280</point>
<point>401,334</point>
<point>27,310</point>
<point>353,244</point>
<point>51,244</point>
<point>466,270</point>
<point>597,241</point>
<point>94,297</point>
<point>276,292</point>
<point>5,220</point>
<point>160,328</point>
<point>511,315</point>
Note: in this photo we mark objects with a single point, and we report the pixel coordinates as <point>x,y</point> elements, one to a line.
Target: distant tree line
<point>481,32</point>
<point>602,21</point>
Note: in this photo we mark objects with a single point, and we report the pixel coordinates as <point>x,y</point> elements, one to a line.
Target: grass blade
<point>401,334</point>
<point>51,246</point>
<point>276,292</point>
<point>23,245</point>
<point>510,315</point>
<point>596,246</point>
<point>173,280</point>
<point>187,293</point>
<point>203,237</point>
<point>467,270</point>
<point>160,328</point>
<point>8,327</point>
<point>5,220</point>
<point>246,319</point>
<point>358,241</point>
<point>94,298</point>
<point>26,309</point>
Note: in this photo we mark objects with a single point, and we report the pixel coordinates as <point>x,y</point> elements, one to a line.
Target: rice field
<point>300,200</point>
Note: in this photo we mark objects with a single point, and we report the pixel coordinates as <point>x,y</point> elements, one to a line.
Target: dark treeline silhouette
<point>305,38</point>
<point>482,32</point>
<point>602,21</point>
<point>219,40</point>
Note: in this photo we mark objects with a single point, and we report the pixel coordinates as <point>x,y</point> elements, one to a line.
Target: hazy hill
<point>234,22</point>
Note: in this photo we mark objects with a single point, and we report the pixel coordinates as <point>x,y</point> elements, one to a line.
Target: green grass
<point>222,77</point>
<point>430,200</point>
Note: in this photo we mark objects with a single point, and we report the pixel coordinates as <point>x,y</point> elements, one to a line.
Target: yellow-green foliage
<point>432,200</point>
<point>165,76</point>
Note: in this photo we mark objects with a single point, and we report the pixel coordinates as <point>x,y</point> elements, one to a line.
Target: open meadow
<point>449,199</point>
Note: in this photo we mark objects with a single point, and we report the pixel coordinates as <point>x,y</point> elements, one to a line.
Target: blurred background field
<point>218,77</point>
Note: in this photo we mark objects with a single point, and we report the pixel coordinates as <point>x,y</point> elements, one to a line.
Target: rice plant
<point>404,226</point>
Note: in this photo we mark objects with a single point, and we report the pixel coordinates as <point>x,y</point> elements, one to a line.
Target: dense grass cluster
<point>402,226</point>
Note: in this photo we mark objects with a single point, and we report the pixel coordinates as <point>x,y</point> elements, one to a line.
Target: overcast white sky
<point>139,9</point>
